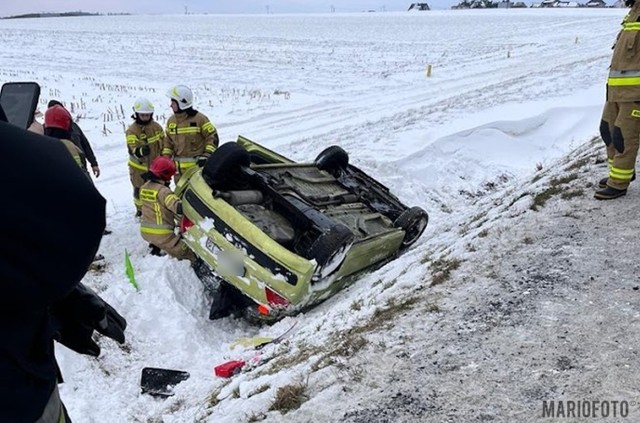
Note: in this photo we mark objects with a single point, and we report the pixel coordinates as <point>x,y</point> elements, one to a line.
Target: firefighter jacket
<point>623,84</point>
<point>76,153</point>
<point>159,208</point>
<point>189,135</point>
<point>149,134</point>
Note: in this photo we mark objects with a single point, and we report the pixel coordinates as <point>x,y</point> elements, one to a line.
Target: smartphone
<point>19,101</point>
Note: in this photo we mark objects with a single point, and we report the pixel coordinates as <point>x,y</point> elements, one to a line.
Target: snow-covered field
<point>511,92</point>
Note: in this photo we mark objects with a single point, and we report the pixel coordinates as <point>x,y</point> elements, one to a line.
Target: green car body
<point>274,239</point>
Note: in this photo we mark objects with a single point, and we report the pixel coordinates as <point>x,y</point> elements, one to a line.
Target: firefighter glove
<point>142,151</point>
<point>82,312</point>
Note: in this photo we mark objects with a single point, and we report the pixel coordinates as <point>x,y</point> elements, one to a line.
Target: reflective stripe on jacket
<point>623,84</point>
<point>138,135</point>
<point>189,136</point>
<point>159,207</point>
<point>76,153</point>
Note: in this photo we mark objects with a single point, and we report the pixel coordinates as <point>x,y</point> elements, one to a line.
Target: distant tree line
<point>61,15</point>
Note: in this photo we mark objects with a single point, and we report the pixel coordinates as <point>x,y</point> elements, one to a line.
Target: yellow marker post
<point>428,71</point>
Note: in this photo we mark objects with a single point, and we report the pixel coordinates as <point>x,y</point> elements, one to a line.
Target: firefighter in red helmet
<point>57,122</point>
<point>160,208</point>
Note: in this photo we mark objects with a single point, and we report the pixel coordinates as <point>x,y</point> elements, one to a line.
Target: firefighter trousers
<point>620,131</point>
<point>172,244</point>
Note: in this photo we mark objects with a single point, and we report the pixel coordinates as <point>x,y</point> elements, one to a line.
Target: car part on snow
<point>229,369</point>
<point>259,342</point>
<point>332,159</point>
<point>277,339</point>
<point>160,382</point>
<point>413,221</point>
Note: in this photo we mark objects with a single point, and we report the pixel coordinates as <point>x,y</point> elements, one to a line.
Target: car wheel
<point>221,168</point>
<point>330,249</point>
<point>413,221</point>
<point>332,159</point>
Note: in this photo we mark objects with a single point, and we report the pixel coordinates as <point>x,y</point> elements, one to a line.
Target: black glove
<point>82,312</point>
<point>201,160</point>
<point>143,151</point>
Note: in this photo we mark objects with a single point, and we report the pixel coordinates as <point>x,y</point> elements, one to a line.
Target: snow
<point>512,94</point>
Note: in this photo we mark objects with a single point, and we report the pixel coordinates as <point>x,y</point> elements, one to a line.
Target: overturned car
<point>274,236</point>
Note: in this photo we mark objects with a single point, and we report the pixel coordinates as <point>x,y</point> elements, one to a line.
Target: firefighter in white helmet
<point>190,136</point>
<point>144,143</point>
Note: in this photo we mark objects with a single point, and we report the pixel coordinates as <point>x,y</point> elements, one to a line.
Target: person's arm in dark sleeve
<point>86,147</point>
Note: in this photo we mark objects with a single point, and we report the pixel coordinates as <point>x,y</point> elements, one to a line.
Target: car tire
<point>330,249</point>
<point>413,222</point>
<point>332,159</point>
<point>222,167</point>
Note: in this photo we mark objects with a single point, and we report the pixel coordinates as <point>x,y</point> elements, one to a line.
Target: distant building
<point>419,6</point>
<point>595,3</point>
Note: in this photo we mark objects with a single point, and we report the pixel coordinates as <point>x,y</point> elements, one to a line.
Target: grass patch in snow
<point>256,417</point>
<point>556,187</point>
<point>572,194</point>
<point>578,164</point>
<point>289,397</point>
<point>441,270</point>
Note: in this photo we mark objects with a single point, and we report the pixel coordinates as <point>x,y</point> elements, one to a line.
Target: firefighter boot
<point>609,193</point>
<point>155,250</point>
<point>602,183</point>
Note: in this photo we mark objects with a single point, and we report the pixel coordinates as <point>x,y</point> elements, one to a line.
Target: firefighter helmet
<point>57,117</point>
<point>142,105</point>
<point>182,95</point>
<point>163,167</point>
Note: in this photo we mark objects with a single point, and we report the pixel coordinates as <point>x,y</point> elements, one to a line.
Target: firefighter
<point>80,140</point>
<point>144,143</point>
<point>160,208</point>
<point>57,122</point>
<point>190,137</point>
<point>620,124</point>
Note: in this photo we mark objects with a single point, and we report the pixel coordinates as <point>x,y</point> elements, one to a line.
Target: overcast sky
<point>8,7</point>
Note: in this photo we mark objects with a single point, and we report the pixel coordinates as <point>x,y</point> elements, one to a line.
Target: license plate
<point>229,263</point>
